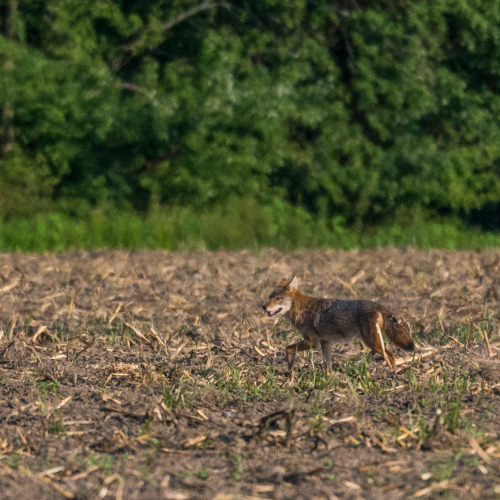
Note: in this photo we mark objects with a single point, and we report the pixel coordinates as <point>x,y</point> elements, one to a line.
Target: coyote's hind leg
<point>378,346</point>
<point>326,350</point>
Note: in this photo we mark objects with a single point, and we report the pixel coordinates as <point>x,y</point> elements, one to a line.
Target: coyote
<point>325,321</point>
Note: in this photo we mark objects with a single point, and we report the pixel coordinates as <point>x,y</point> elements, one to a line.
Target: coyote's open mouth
<point>276,311</point>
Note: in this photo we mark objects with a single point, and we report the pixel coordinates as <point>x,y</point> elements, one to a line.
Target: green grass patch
<point>104,461</point>
<point>178,396</point>
<point>48,386</point>
<point>248,383</point>
<point>239,223</point>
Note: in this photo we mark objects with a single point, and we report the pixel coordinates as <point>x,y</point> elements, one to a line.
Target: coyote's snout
<point>323,322</point>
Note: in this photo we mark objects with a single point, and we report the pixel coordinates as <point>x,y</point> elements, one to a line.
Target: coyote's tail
<point>398,333</point>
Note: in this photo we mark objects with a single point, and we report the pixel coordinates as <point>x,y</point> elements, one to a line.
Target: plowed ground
<point>157,375</point>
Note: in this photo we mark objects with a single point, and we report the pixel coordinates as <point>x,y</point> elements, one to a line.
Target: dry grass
<point>155,374</point>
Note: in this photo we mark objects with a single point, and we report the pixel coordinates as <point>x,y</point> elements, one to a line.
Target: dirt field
<point>157,375</point>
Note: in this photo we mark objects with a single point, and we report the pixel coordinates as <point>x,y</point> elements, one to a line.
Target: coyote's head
<point>281,298</point>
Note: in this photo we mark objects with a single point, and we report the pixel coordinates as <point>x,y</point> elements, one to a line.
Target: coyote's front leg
<point>303,345</point>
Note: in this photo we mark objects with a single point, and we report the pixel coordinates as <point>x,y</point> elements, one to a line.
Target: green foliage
<point>236,124</point>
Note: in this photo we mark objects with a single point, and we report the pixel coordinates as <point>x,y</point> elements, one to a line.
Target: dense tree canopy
<point>356,112</point>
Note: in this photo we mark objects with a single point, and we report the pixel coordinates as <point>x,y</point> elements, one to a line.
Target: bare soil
<point>157,375</point>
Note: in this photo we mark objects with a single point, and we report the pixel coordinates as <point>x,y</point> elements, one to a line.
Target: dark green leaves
<point>352,112</point>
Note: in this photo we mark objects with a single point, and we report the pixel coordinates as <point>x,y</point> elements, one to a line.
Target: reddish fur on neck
<point>300,304</point>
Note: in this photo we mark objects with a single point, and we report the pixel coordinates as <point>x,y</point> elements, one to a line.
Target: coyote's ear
<point>283,282</point>
<point>294,283</point>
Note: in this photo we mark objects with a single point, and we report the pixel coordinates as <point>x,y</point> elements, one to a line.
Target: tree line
<point>354,112</point>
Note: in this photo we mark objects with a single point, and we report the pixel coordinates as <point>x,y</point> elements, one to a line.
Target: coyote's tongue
<point>276,311</point>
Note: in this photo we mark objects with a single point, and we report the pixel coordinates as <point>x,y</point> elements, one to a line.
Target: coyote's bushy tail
<point>399,333</point>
